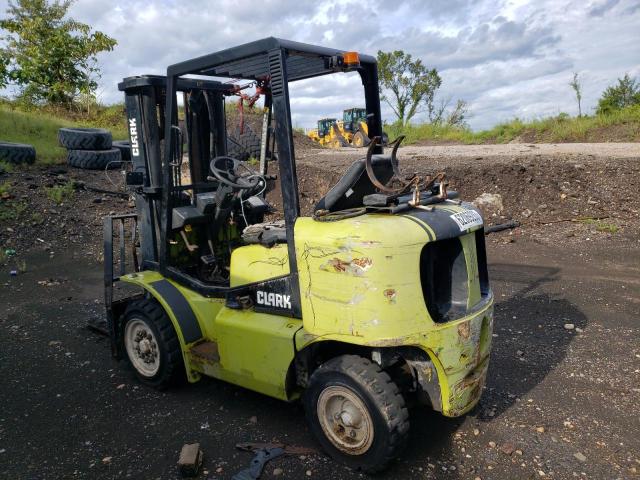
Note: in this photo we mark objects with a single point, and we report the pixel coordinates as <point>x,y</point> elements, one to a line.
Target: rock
<point>277,471</point>
<point>507,448</point>
<point>489,203</point>
<point>476,432</point>
<point>253,420</point>
<point>190,459</point>
<point>580,457</point>
<point>569,326</point>
<point>308,473</point>
<point>540,429</point>
<point>579,330</point>
<point>107,460</point>
<point>527,213</point>
<point>121,386</point>
<point>492,444</point>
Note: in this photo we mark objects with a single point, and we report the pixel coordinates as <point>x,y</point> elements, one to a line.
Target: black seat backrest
<point>355,184</point>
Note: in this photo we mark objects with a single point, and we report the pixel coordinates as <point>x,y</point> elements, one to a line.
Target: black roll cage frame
<point>278,62</point>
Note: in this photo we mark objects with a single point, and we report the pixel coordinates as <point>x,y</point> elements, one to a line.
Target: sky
<point>506,58</point>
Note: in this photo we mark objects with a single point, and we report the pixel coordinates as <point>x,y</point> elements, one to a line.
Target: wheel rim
<point>345,420</point>
<point>142,347</point>
<point>358,141</point>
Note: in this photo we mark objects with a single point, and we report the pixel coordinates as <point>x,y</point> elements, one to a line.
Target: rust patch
<point>464,330</point>
<point>390,295</point>
<point>356,267</point>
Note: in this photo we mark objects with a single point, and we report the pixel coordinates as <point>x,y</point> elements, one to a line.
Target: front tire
<point>151,344</point>
<point>356,413</point>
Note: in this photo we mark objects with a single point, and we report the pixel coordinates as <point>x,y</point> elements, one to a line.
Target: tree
<point>577,88</point>
<point>625,94</point>
<point>408,82</point>
<point>50,57</point>
<point>454,117</point>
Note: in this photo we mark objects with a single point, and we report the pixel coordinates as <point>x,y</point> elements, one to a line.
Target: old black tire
<point>363,385</point>
<point>94,159</point>
<point>17,153</point>
<point>245,145</point>
<point>125,149</point>
<point>85,138</point>
<point>150,317</point>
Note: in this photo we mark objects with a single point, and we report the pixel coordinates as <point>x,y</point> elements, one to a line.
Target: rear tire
<point>151,344</point>
<point>356,413</point>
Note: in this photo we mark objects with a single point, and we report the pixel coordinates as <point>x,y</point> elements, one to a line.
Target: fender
<point>182,316</point>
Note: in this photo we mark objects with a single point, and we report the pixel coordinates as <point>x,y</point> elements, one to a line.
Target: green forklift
<point>377,301</point>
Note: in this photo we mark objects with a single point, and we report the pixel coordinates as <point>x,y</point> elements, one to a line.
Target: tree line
<point>52,59</point>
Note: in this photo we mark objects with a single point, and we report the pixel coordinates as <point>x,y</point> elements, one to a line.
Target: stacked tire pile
<point>243,145</point>
<point>92,148</point>
<point>17,153</point>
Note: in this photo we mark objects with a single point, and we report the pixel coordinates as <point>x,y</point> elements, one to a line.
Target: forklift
<point>378,301</point>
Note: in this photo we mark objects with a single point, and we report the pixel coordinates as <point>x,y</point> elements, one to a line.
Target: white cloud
<point>506,58</point>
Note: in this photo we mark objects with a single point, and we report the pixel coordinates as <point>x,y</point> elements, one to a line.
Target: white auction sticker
<point>467,219</point>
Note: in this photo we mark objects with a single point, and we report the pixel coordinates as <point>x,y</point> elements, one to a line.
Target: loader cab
<point>352,118</point>
<point>324,126</point>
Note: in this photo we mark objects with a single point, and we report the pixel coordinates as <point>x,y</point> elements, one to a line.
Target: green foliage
<point>406,83</point>
<point>52,58</point>
<point>5,189</point>
<point>6,167</point>
<point>625,94</point>
<point>620,126</point>
<point>60,193</point>
<point>11,210</point>
<point>577,89</point>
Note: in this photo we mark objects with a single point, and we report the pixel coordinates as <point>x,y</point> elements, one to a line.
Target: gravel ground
<point>560,402</point>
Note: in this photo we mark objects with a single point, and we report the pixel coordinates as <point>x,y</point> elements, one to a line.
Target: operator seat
<point>355,184</point>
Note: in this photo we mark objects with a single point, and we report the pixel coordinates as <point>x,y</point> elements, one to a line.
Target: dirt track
<point>558,402</point>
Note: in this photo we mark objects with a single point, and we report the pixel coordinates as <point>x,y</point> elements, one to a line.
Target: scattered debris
<point>257,464</point>
<point>501,226</point>
<point>190,459</point>
<point>288,449</point>
<point>580,457</point>
<point>569,326</point>
<point>507,448</point>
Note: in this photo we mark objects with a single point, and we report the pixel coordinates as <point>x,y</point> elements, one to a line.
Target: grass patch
<point>60,193</point>
<point>11,210</point>
<point>40,128</point>
<point>618,126</point>
<point>5,189</point>
<point>602,227</point>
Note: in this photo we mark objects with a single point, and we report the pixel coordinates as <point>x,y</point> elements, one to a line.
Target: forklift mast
<point>203,113</point>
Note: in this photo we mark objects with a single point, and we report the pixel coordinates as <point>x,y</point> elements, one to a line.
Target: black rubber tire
<point>85,138</point>
<point>245,145</point>
<point>17,153</point>
<point>365,140</point>
<point>171,369</point>
<point>94,159</point>
<point>383,400</point>
<point>125,149</point>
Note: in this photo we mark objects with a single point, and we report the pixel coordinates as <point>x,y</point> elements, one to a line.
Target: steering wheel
<point>225,170</point>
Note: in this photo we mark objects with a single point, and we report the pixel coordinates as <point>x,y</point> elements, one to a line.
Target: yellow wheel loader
<point>378,300</point>
<point>329,134</point>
